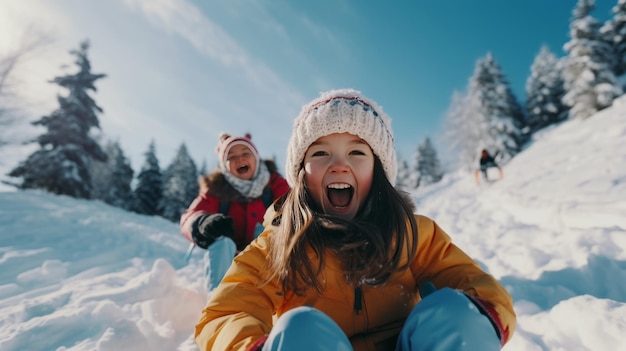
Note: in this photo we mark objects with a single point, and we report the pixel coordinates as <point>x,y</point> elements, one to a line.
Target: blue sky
<point>184,70</point>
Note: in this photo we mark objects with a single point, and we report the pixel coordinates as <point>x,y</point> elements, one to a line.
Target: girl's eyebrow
<point>359,141</point>
<point>315,143</point>
<point>355,141</point>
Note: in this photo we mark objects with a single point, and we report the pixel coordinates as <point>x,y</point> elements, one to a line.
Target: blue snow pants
<point>444,321</point>
<point>217,260</point>
<point>306,329</point>
<point>219,256</point>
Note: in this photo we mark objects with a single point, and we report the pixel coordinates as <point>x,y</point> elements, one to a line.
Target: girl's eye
<point>357,152</point>
<point>319,153</point>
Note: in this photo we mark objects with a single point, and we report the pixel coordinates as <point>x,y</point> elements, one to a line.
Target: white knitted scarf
<point>252,188</point>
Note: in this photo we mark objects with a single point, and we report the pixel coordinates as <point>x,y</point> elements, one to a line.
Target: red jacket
<point>245,212</point>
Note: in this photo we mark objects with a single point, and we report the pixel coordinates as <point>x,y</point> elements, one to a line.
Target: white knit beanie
<point>341,111</point>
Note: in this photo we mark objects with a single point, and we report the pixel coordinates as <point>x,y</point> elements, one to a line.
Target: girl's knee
<point>301,315</point>
<point>306,328</point>
<point>307,319</point>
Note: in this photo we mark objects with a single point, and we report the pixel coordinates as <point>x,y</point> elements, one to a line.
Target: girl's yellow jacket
<point>241,310</point>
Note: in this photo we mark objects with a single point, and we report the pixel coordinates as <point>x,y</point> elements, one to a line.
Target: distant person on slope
<point>227,214</point>
<point>487,161</point>
<point>344,263</point>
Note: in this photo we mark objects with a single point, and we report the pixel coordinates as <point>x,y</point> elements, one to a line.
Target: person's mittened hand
<point>446,319</point>
<point>217,225</point>
<point>207,228</point>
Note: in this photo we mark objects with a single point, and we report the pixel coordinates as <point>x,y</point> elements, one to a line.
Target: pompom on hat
<point>342,111</point>
<point>227,141</point>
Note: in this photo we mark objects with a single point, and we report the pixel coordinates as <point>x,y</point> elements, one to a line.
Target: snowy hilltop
<point>82,275</point>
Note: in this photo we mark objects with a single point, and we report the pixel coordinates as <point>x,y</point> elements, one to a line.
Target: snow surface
<point>81,275</point>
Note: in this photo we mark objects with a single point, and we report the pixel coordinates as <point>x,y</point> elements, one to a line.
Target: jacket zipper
<point>358,299</point>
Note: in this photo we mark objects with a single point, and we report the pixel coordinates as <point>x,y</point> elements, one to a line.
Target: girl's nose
<point>339,164</point>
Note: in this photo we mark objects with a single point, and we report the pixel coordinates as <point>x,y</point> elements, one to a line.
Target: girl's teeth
<point>338,186</point>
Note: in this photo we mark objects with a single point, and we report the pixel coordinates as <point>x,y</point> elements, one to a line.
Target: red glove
<point>258,345</point>
<point>487,309</point>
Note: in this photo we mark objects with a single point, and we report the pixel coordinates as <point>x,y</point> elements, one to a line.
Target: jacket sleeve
<point>201,205</point>
<point>240,309</point>
<point>445,265</point>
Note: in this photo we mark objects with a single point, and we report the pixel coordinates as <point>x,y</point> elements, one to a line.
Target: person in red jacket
<point>227,214</point>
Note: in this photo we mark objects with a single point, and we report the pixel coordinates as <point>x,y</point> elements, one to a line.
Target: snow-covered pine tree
<point>403,180</point>
<point>590,84</point>
<point>111,179</point>
<point>614,32</point>
<point>427,163</point>
<point>61,165</point>
<point>180,185</point>
<point>149,190</point>
<point>465,131</point>
<point>497,106</point>
<point>544,91</point>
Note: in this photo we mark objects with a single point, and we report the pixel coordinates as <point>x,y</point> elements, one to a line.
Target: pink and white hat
<point>226,142</point>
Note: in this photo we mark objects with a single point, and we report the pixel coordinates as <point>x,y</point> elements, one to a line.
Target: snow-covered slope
<point>553,231</point>
<point>82,275</point>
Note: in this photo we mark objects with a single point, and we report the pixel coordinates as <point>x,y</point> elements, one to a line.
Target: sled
<point>492,174</point>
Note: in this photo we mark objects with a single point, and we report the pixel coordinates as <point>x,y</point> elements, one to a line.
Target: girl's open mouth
<point>339,194</point>
<point>243,169</point>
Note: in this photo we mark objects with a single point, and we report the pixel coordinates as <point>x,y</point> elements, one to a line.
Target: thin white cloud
<point>183,18</point>
<point>21,19</point>
<point>186,20</point>
<point>208,38</point>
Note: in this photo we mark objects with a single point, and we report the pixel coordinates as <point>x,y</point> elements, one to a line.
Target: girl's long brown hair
<point>370,246</point>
